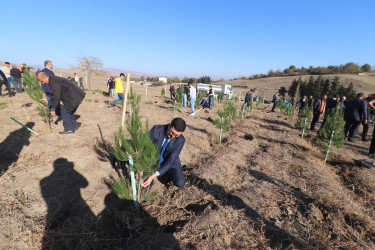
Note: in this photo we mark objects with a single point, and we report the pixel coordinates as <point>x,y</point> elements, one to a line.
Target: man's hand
<point>365,122</point>
<point>53,113</point>
<point>149,180</point>
<point>44,100</point>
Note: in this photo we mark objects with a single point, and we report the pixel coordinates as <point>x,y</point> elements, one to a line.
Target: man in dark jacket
<point>172,91</point>
<point>274,100</point>
<point>70,95</point>
<point>4,80</point>
<point>248,97</point>
<point>310,101</point>
<point>330,107</point>
<point>318,109</point>
<point>170,143</point>
<point>355,112</point>
<point>17,76</point>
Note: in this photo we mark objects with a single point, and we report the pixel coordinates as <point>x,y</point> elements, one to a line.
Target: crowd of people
<point>11,75</point>
<point>355,112</point>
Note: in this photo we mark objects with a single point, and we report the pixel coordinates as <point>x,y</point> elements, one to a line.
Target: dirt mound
<point>274,191</point>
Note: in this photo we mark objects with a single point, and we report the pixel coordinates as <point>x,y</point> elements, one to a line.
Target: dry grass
<point>274,191</point>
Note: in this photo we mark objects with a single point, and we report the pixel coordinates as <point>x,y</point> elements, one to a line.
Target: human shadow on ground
<point>278,237</point>
<point>296,146</point>
<point>169,108</point>
<point>197,129</point>
<point>12,146</point>
<point>68,215</point>
<point>358,147</point>
<point>70,223</point>
<point>277,122</point>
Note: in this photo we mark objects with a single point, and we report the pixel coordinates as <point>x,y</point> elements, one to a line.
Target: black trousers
<point>372,146</point>
<point>274,106</point>
<point>365,130</point>
<point>315,120</point>
<point>6,85</point>
<point>175,175</point>
<point>69,120</point>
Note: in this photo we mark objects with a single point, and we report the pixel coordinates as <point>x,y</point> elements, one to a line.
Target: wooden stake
<point>125,100</point>
<point>146,93</point>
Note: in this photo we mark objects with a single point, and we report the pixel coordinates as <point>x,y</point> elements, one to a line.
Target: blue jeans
<point>119,96</point>
<point>11,80</point>
<point>192,102</point>
<point>184,100</point>
<point>211,99</point>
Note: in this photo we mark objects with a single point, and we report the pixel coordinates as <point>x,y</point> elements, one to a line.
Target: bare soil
<point>274,191</point>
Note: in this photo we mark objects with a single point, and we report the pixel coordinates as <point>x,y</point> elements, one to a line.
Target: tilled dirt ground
<point>274,191</point>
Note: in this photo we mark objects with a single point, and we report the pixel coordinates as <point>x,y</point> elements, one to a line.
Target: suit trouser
<point>6,85</point>
<point>69,120</point>
<point>372,146</point>
<point>315,120</point>
<point>352,126</point>
<point>18,84</point>
<point>365,130</point>
<point>175,175</point>
<point>273,107</point>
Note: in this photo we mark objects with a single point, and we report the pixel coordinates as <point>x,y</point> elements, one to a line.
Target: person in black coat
<point>172,91</point>
<point>247,98</point>
<point>70,95</point>
<point>329,109</point>
<point>274,100</point>
<point>17,76</point>
<point>355,112</point>
<point>4,80</point>
<point>170,143</point>
<point>318,109</point>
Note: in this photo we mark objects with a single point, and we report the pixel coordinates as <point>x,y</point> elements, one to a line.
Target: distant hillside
<point>267,86</point>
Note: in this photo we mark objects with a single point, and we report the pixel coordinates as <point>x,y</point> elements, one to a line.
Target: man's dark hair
<point>7,63</point>
<point>46,62</point>
<point>122,74</point>
<point>178,124</point>
<point>360,95</point>
<point>336,96</point>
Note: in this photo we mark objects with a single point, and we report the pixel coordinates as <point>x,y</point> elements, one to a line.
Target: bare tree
<point>90,64</point>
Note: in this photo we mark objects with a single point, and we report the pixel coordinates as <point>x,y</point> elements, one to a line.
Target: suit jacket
<point>66,91</point>
<point>356,110</point>
<point>274,98</point>
<point>318,105</point>
<point>172,151</point>
<point>45,87</point>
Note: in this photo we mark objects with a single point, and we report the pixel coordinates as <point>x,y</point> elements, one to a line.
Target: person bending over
<point>170,143</point>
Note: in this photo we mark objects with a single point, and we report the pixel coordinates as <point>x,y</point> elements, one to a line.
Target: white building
<point>163,79</point>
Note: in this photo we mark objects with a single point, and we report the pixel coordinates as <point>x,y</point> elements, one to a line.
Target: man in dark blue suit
<point>170,143</point>
<point>355,112</point>
<point>47,90</point>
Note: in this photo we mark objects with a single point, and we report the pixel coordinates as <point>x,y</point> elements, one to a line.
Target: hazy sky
<point>190,38</point>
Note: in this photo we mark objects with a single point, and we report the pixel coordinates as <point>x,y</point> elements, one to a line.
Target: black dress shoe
<point>66,132</point>
<point>77,126</point>
<point>364,139</point>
